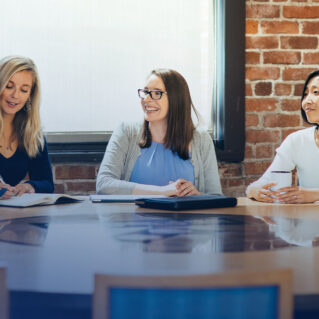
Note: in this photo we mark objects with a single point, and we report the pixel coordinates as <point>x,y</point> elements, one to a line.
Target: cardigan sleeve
<point>112,170</point>
<point>40,172</point>
<point>210,167</point>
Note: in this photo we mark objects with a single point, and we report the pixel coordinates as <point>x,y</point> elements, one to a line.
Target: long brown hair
<point>180,126</point>
<point>26,123</point>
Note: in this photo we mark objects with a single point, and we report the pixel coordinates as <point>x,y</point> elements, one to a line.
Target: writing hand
<point>23,188</point>
<point>9,191</point>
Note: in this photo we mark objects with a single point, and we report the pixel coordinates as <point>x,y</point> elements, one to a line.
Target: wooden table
<point>52,252</point>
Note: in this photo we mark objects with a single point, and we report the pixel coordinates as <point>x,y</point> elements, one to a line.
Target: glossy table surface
<point>57,249</point>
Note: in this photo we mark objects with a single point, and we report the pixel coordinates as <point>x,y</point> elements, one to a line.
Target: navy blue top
<point>14,169</point>
<point>158,165</point>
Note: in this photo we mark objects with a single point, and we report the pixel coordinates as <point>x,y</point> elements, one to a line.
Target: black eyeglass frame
<point>146,92</point>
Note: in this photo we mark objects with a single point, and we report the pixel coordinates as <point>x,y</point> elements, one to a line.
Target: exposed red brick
<point>310,27</point>
<point>223,183</point>
<point>304,12</point>
<point>290,105</point>
<point>59,188</point>
<point>248,90</point>
<point>298,89</point>
<point>74,172</point>
<point>275,27</point>
<point>311,57</point>
<point>280,57</point>
<point>281,120</point>
<point>252,57</point>
<point>256,168</point>
<point>282,89</point>
<point>236,182</point>
<point>249,180</point>
<point>266,42</point>
<point>264,151</point>
<point>262,136</point>
<point>300,42</point>
<point>262,73</point>
<point>251,26</point>
<point>249,151</point>
<point>285,133</point>
<point>295,74</point>
<point>258,105</point>
<point>80,187</point>
<point>262,11</point>
<point>230,169</point>
<point>279,0</point>
<point>251,120</point>
<point>263,88</point>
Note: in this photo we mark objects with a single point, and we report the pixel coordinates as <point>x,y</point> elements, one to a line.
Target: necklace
<point>7,148</point>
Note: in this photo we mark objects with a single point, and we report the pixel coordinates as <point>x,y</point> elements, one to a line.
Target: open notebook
<point>27,200</point>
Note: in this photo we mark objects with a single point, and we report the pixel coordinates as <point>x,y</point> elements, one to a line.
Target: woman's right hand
<point>263,193</point>
<point>9,193</point>
<point>170,189</point>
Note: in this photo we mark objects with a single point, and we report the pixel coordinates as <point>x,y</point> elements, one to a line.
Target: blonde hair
<point>26,123</point>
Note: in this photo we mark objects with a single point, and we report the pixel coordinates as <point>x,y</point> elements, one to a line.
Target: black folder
<point>188,202</point>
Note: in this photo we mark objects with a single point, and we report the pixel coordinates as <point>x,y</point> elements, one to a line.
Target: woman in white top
<point>299,150</point>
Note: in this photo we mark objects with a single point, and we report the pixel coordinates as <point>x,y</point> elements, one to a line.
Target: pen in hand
<point>2,190</point>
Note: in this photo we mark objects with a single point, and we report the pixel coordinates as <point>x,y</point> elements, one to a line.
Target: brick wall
<point>281,49</point>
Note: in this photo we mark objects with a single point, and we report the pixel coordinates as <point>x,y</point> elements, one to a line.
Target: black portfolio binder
<point>188,202</point>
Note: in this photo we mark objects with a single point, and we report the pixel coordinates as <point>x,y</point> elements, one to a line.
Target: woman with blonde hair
<point>24,162</point>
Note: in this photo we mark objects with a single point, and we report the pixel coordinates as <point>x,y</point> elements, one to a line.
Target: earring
<point>28,105</point>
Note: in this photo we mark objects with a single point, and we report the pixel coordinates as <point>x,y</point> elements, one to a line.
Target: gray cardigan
<point>123,150</point>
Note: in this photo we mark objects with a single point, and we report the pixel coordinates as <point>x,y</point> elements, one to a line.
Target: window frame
<point>229,110</point>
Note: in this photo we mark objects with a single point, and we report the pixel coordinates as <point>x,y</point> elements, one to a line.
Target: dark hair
<point>180,127</point>
<point>309,78</point>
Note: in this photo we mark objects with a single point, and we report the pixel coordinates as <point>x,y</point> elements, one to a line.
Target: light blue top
<point>123,151</point>
<point>158,166</point>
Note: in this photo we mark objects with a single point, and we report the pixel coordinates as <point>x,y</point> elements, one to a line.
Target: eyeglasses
<point>154,94</point>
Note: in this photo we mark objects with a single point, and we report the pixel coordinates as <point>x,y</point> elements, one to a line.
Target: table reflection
<point>25,231</point>
<point>298,232</point>
<point>184,233</point>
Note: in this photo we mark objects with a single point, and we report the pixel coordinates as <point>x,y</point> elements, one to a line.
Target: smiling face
<point>310,102</point>
<point>155,111</point>
<point>16,93</point>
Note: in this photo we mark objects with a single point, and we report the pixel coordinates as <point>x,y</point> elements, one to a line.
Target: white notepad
<point>27,200</point>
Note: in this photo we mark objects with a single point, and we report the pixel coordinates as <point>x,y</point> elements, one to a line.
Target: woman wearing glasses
<point>24,160</point>
<point>166,154</point>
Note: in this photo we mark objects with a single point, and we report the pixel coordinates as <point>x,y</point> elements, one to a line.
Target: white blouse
<point>299,150</point>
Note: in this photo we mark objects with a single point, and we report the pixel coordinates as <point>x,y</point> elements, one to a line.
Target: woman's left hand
<point>23,188</point>
<point>185,188</point>
<point>297,195</point>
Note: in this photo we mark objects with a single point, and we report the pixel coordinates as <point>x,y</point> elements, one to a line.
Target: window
<point>93,55</point>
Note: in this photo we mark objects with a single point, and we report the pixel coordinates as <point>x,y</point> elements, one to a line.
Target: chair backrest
<point>4,296</point>
<point>260,294</point>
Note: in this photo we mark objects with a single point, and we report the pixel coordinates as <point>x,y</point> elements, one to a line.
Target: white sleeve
<point>283,161</point>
